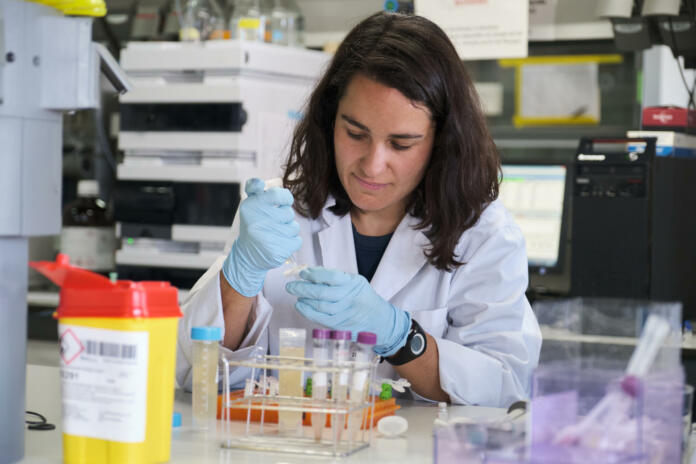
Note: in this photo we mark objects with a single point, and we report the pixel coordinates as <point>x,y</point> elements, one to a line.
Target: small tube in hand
<point>294,268</point>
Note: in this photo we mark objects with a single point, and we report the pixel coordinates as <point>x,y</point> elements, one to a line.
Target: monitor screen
<point>534,195</point>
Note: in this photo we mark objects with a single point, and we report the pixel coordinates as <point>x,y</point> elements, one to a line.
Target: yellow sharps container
<point>117,350</point>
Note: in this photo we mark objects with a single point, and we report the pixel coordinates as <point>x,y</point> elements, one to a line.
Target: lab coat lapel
<point>401,260</point>
<point>336,243</point>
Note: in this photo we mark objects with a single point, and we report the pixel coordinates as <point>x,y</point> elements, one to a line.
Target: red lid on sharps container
<point>86,294</point>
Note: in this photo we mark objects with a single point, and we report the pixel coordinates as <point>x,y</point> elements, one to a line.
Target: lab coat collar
<point>402,259</point>
<point>326,215</point>
<point>336,241</point>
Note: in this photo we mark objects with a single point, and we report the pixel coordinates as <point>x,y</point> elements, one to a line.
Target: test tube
<point>292,345</point>
<point>358,388</point>
<point>339,382</point>
<point>205,362</point>
<point>320,352</point>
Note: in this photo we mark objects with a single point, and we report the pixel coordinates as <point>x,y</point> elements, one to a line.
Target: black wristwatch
<point>415,346</point>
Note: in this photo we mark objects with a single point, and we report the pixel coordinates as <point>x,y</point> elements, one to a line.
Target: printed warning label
<point>70,346</point>
<point>104,380</point>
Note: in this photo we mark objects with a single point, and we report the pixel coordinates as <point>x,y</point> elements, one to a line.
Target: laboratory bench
<point>414,446</point>
<point>188,446</point>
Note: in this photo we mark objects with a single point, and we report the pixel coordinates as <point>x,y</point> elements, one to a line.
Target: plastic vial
<point>291,345</point>
<point>88,234</point>
<point>359,387</point>
<point>205,362</point>
<point>339,383</point>
<point>320,353</point>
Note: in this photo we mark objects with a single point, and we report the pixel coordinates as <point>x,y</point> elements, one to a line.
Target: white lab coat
<point>487,336</point>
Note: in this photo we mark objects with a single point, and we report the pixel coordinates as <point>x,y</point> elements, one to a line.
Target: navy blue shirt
<point>368,251</point>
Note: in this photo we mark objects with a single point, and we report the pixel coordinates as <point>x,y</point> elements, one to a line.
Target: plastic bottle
<point>205,362</point>
<point>339,383</point>
<point>295,24</point>
<point>247,21</point>
<point>266,7</point>
<point>358,387</point>
<point>279,23</point>
<point>88,235</point>
<point>194,21</point>
<point>320,353</point>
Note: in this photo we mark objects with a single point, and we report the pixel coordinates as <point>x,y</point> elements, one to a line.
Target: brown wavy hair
<point>413,55</point>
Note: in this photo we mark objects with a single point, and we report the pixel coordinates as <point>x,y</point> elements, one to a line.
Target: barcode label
<point>104,382</point>
<point>112,350</point>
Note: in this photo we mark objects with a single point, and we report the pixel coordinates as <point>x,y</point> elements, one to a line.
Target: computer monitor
<point>535,195</point>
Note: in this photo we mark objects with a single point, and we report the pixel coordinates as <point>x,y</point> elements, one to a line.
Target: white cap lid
<point>88,188</point>
<point>392,426</point>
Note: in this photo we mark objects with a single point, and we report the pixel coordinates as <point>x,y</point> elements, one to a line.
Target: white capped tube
<point>320,384</point>
<point>358,388</point>
<point>205,362</point>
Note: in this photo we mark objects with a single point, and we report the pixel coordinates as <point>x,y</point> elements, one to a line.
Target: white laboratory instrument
<point>40,77</point>
<point>202,119</point>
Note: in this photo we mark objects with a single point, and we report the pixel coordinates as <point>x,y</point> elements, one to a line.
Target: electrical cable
<point>110,36</point>
<point>103,139</point>
<point>675,53</point>
<point>40,424</point>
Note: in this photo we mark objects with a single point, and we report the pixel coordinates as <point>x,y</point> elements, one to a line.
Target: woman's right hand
<point>268,236</point>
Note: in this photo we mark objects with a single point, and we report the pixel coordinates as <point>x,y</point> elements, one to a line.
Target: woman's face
<point>382,142</point>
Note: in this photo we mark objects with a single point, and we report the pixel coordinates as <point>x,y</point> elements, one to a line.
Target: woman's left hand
<point>348,302</point>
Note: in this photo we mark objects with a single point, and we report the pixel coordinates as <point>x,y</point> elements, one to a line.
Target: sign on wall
<point>481,29</point>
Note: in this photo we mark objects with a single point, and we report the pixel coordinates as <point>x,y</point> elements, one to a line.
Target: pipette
<point>613,408</point>
<point>294,268</point>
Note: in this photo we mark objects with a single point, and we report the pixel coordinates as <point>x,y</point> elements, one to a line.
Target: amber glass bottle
<point>88,230</point>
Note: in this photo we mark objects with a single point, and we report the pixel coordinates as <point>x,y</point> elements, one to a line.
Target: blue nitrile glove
<point>268,236</point>
<point>348,302</point>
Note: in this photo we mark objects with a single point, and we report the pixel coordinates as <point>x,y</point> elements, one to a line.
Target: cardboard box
<point>668,143</point>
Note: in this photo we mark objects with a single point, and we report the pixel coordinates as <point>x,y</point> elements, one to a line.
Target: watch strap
<point>416,344</point>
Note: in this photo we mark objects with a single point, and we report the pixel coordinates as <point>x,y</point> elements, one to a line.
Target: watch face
<point>417,344</point>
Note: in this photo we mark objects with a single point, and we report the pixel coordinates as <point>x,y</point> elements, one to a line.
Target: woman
<point>394,179</point>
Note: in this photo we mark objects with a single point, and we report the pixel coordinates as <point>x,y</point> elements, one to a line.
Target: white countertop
<point>415,446</point>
